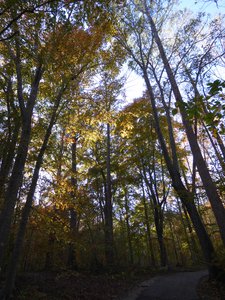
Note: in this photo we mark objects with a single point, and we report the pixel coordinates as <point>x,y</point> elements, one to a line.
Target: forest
<point>93,181</point>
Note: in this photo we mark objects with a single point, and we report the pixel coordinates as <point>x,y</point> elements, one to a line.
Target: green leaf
<point>216,87</point>
<point>174,111</point>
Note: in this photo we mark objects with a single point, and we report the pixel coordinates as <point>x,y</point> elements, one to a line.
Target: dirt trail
<point>176,286</point>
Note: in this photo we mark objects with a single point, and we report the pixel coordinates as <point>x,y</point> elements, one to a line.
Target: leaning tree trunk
<point>185,196</point>
<point>18,168</point>
<point>209,185</point>
<point>11,274</point>
<point>14,127</point>
<point>213,129</point>
<point>7,160</point>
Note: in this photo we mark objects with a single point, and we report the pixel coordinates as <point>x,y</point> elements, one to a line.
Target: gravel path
<point>176,286</point>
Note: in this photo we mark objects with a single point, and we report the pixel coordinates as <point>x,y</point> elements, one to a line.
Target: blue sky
<point>207,6</point>
<point>135,85</point>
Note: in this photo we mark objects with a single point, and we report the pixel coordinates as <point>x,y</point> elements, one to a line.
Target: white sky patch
<point>212,7</point>
<point>135,86</point>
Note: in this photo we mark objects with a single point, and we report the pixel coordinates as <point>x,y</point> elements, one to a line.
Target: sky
<point>209,6</point>
<point>135,86</point>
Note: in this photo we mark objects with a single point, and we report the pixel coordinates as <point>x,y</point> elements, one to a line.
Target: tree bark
<point>12,139</point>
<point>131,256</point>
<point>185,196</point>
<point>174,242</point>
<point>11,274</point>
<point>158,218</point>
<point>72,261</point>
<point>210,187</point>
<point>18,168</point>
<point>191,245</point>
<point>109,244</point>
<point>7,160</point>
<point>148,230</point>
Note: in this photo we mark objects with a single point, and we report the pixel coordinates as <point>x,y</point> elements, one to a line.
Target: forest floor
<point>70,285</point>
<point>210,289</point>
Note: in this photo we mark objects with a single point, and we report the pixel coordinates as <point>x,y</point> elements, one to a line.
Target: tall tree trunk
<point>174,241</point>
<point>158,213</point>
<point>7,160</point>
<point>162,247</point>
<point>14,127</point>
<point>109,245</point>
<point>72,261</point>
<point>191,243</point>
<point>210,187</point>
<point>127,217</point>
<point>11,274</point>
<point>60,157</point>
<point>190,229</point>
<point>185,196</point>
<point>49,258</point>
<point>158,220</point>
<point>18,168</point>
<point>148,231</point>
<point>220,158</point>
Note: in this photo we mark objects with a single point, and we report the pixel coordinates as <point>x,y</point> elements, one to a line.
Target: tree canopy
<point>92,180</point>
